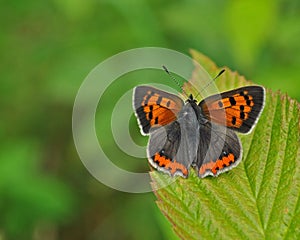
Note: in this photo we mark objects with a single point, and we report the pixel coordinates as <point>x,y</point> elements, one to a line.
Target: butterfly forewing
<point>154,107</point>
<point>238,109</point>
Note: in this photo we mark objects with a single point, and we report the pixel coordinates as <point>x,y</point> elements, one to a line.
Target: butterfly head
<point>191,99</point>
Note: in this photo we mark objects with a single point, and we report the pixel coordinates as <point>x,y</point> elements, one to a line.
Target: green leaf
<point>260,198</point>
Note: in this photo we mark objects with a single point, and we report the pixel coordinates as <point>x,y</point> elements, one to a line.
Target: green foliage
<point>259,199</point>
<point>247,36</point>
<point>29,197</point>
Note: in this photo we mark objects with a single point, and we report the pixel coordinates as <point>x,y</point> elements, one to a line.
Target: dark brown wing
<point>219,150</point>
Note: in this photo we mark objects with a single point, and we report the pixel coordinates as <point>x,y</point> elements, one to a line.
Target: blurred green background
<point>49,47</point>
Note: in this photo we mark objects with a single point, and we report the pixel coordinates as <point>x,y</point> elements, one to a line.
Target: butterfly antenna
<point>174,79</point>
<point>210,82</point>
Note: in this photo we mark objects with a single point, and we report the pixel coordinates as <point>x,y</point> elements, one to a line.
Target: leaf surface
<point>260,198</point>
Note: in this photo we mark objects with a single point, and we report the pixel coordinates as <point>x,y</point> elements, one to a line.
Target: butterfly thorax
<point>197,109</point>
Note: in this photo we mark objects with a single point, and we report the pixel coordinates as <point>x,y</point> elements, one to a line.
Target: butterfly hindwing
<point>238,109</point>
<point>154,107</point>
<point>173,148</point>
<point>219,150</point>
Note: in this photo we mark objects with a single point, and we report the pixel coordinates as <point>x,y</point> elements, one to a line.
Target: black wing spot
<point>168,103</point>
<point>159,100</point>
<point>232,101</point>
<point>233,121</point>
<point>223,154</point>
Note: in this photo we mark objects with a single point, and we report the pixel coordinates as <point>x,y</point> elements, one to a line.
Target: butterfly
<point>202,136</point>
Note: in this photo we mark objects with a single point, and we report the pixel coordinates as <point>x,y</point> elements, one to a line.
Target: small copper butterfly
<point>187,134</point>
